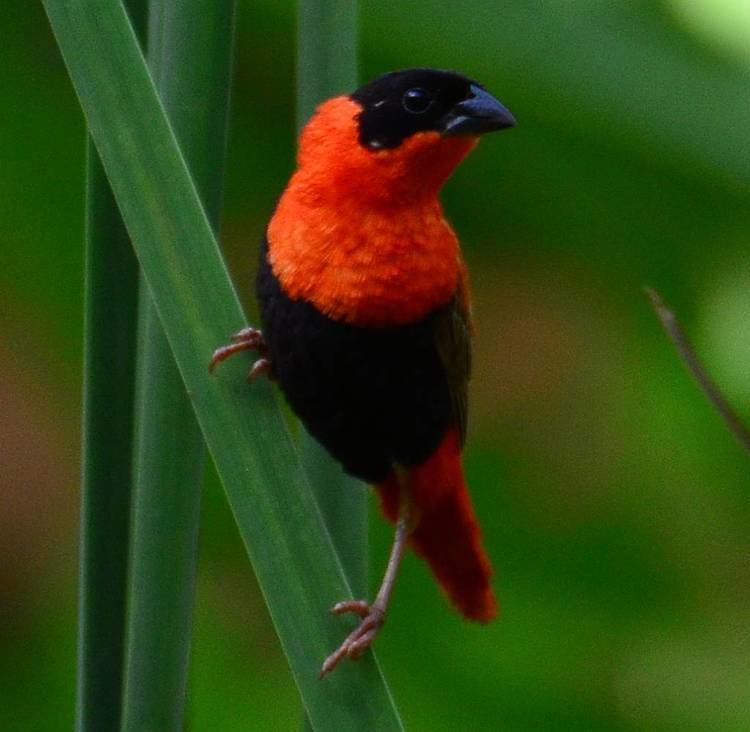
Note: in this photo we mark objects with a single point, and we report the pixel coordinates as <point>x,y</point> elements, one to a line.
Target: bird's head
<point>399,136</point>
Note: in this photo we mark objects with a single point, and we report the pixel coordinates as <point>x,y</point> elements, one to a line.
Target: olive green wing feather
<point>453,334</point>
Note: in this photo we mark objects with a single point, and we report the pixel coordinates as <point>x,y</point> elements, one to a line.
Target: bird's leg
<point>373,616</point>
<point>248,339</point>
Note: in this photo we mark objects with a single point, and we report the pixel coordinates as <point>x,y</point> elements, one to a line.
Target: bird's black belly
<point>371,396</point>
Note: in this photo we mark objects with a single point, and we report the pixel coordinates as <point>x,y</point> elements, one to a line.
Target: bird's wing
<point>453,334</point>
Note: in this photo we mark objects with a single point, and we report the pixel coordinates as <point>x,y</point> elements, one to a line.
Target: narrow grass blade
<point>110,327</point>
<point>327,66</point>
<point>275,510</point>
<point>111,297</point>
<point>166,514</point>
<point>189,49</point>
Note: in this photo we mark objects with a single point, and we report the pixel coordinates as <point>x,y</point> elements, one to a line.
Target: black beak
<point>476,115</point>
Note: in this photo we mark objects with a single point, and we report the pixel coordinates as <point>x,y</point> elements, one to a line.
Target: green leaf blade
<point>111,308</point>
<point>278,518</point>
<point>110,346</point>
<point>189,49</point>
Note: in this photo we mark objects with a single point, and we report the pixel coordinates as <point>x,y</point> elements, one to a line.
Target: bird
<point>366,321</point>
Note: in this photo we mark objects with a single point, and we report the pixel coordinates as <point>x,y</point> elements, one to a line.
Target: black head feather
<point>402,103</point>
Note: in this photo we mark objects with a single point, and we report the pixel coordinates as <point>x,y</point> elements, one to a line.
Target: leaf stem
<point>689,357</point>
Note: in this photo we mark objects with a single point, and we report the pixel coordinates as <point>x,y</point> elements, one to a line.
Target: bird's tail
<point>446,533</point>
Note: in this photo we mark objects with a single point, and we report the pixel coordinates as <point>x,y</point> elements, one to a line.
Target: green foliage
<point>613,501</point>
<point>275,511</point>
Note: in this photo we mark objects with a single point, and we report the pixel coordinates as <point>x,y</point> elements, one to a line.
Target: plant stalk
<point>190,53</point>
<point>110,317</point>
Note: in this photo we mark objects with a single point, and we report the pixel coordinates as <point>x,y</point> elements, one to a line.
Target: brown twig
<point>687,353</point>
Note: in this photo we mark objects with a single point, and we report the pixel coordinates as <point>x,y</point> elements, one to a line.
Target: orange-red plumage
<point>362,234</point>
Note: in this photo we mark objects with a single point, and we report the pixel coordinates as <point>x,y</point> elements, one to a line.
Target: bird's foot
<point>248,339</point>
<point>360,639</point>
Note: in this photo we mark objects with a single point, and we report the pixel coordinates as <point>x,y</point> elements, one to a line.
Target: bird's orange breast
<point>360,233</point>
<point>368,268</point>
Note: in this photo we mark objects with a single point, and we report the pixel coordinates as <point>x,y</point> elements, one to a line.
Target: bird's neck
<point>333,165</point>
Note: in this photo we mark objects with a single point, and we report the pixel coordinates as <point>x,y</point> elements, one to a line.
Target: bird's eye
<point>416,101</point>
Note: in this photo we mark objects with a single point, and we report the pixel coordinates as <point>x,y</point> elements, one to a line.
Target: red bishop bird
<point>364,302</point>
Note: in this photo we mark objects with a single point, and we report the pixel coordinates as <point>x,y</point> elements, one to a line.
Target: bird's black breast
<point>373,397</point>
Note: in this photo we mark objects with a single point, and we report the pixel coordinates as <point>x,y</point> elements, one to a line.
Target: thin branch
<point>687,353</point>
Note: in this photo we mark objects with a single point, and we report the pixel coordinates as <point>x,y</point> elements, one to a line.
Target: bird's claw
<point>359,607</point>
<point>360,639</point>
<point>248,339</point>
<point>260,367</point>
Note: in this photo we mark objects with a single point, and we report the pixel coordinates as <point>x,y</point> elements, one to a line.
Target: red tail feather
<point>447,534</point>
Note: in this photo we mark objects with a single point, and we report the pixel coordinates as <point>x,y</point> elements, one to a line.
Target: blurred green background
<point>615,504</point>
